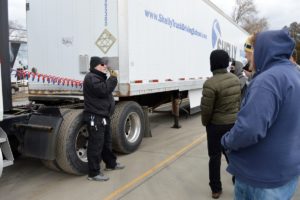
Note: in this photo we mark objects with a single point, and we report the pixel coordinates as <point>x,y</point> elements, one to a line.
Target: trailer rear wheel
<point>71,144</point>
<point>128,125</point>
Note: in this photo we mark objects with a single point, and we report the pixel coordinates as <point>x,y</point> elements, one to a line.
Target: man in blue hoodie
<point>264,144</point>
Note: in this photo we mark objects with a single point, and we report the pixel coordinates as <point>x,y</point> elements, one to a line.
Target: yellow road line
<point>157,167</point>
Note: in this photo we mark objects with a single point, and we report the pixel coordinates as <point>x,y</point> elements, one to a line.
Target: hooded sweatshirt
<point>264,144</point>
<point>239,73</point>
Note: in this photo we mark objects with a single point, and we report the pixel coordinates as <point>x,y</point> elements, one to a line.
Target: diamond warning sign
<point>105,41</point>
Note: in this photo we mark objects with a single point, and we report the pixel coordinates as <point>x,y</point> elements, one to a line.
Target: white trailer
<point>160,49</point>
<point>155,45</point>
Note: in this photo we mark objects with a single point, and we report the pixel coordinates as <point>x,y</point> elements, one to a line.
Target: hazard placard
<point>105,41</point>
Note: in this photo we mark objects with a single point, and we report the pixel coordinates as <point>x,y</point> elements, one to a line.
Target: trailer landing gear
<point>175,111</point>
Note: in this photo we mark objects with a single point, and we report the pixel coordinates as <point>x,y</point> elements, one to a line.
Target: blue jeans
<point>243,191</point>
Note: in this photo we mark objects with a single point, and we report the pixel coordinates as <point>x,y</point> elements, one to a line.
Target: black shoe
<point>118,166</point>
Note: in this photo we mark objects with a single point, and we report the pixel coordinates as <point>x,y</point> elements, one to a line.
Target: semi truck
<point>160,50</point>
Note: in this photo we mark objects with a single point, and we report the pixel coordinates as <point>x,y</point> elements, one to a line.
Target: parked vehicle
<point>159,48</point>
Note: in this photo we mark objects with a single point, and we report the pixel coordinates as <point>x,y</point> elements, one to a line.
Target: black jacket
<point>97,92</point>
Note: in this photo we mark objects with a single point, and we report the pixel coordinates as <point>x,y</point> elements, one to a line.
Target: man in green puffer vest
<point>220,104</point>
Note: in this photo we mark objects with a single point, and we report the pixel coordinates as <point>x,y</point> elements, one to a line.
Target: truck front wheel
<point>71,146</point>
<point>128,125</point>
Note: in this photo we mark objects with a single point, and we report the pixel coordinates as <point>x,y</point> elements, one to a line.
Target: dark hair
<point>233,62</point>
<point>246,67</point>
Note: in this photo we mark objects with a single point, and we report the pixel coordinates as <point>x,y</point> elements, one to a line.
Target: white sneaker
<point>99,177</point>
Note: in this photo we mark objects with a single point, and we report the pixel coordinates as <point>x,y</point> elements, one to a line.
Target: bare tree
<point>243,9</point>
<point>17,32</point>
<point>253,25</point>
<point>294,29</point>
<point>245,13</point>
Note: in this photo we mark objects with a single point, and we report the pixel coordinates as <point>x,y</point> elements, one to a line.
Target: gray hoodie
<point>239,73</point>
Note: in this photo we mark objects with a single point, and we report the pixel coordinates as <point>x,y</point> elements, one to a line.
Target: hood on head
<point>272,47</point>
<point>238,68</point>
<point>238,71</point>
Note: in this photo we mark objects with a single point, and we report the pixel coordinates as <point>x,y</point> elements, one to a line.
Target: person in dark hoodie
<point>220,102</point>
<point>264,144</point>
<point>98,107</point>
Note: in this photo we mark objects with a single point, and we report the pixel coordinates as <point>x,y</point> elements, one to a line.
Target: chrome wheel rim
<point>132,127</point>
<point>82,143</point>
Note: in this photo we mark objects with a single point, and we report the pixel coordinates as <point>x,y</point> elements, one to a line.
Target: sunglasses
<point>248,46</point>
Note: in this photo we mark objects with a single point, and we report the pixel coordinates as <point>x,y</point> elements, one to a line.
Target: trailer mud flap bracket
<point>40,136</point>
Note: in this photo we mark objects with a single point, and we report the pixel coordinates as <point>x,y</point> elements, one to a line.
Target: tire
<point>71,144</point>
<point>128,125</point>
<point>52,164</point>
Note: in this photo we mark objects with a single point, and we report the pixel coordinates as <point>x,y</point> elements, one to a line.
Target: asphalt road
<point>173,164</point>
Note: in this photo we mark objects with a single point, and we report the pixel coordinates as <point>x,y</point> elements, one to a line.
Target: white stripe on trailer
<point>148,88</point>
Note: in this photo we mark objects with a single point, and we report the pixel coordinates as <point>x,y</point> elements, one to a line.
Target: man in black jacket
<point>98,107</point>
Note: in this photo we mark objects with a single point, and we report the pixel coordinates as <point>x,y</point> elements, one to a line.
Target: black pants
<point>215,150</point>
<point>99,146</point>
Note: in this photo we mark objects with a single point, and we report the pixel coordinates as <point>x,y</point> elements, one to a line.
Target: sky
<point>278,12</point>
<point>17,11</point>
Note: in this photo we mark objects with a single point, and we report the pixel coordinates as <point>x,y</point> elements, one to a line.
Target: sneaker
<point>99,177</point>
<point>118,166</point>
<point>216,195</point>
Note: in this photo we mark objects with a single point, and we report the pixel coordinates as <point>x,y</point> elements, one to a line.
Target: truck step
<point>5,150</point>
<point>7,163</point>
<point>2,140</point>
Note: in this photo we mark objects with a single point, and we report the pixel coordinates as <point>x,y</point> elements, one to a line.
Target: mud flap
<point>41,133</point>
